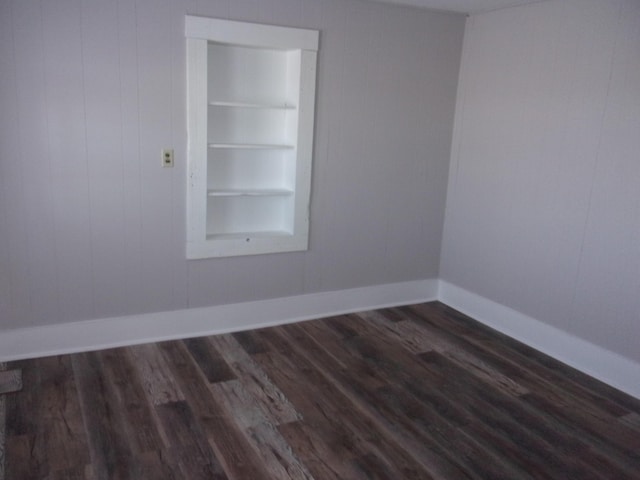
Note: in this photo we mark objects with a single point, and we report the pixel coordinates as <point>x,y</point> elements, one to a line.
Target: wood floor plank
<point>277,454</point>
<point>457,322</point>
<point>425,407</point>
<point>19,419</point>
<point>450,393</point>
<point>523,369</point>
<point>3,435</point>
<point>231,447</point>
<point>324,406</point>
<point>62,431</point>
<point>18,457</point>
<point>631,420</point>
<point>418,339</point>
<point>382,411</point>
<point>21,424</point>
<point>111,453</point>
<point>256,384</point>
<point>250,342</point>
<point>560,374</point>
<point>129,400</point>
<point>153,371</point>
<point>410,392</point>
<point>51,432</point>
<point>575,449</point>
<point>554,373</point>
<point>322,461</point>
<point>252,415</point>
<point>123,438</point>
<point>501,420</point>
<point>209,360</point>
<point>621,446</point>
<point>469,383</point>
<point>189,454</point>
<point>391,314</point>
<point>333,428</point>
<point>395,366</point>
<point>10,381</point>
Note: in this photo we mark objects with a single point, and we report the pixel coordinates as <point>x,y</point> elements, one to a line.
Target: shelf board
<point>245,192</point>
<point>247,235</point>
<point>265,105</point>
<point>255,146</point>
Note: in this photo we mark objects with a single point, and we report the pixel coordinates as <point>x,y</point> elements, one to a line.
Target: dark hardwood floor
<point>419,392</point>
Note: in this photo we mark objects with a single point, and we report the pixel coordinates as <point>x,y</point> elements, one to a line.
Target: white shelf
<point>251,146</point>
<point>250,108</point>
<point>275,106</point>
<point>238,192</point>
<point>248,235</point>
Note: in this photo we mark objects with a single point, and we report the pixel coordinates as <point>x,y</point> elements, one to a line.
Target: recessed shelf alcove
<point>251,96</point>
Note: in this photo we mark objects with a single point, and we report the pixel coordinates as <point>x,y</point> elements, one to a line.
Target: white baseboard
<point>135,329</point>
<point>611,368</point>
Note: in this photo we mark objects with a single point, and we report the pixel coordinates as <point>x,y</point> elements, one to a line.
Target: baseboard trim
<point>611,368</point>
<point>135,329</point>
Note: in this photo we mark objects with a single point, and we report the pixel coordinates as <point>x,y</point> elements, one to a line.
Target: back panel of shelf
<point>247,215</point>
<point>261,126</point>
<point>258,76</point>
<point>252,122</point>
<point>251,169</point>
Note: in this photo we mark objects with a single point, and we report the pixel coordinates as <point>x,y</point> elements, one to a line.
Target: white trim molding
<point>609,367</point>
<point>152,327</point>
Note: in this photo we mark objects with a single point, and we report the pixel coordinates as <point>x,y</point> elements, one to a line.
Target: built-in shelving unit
<point>251,95</point>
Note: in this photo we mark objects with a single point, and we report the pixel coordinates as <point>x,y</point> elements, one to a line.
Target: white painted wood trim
<point>196,142</point>
<point>609,367</point>
<point>304,154</point>
<point>250,34</point>
<point>135,329</point>
<point>301,46</point>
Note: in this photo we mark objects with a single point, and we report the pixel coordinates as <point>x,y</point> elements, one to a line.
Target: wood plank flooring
<point>418,392</point>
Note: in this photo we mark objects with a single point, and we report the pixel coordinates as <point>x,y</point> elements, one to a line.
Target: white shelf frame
<point>201,32</point>
<point>265,192</point>
<point>275,106</point>
<point>255,146</point>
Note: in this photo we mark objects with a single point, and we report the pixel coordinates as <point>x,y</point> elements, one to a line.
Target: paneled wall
<point>543,208</point>
<point>92,226</point>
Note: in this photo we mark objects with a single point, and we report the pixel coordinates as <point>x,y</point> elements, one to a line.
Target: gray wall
<point>543,208</point>
<point>91,90</point>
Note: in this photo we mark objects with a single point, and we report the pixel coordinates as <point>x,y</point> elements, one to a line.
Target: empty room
<point>319,239</point>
